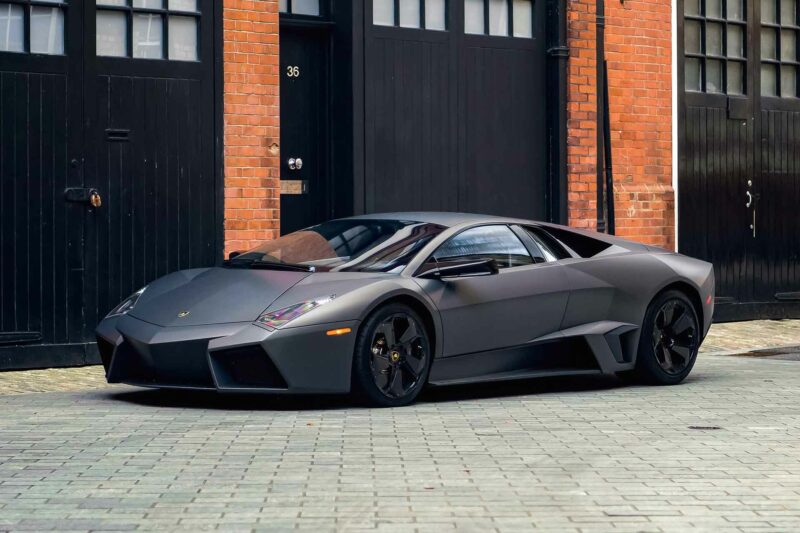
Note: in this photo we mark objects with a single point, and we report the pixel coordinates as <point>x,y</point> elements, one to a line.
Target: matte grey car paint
<point>484,328</point>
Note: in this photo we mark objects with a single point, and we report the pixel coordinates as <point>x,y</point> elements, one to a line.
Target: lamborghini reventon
<point>382,305</point>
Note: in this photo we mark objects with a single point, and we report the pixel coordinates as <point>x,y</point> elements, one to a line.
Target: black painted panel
<point>37,226</point>
<point>778,223</point>
<point>713,218</point>
<point>504,155</point>
<point>411,149</point>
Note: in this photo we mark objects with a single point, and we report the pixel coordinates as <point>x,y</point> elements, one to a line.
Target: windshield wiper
<point>267,265</point>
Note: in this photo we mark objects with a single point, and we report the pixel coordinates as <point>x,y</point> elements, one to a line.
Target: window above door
<point>148,29</point>
<point>715,46</point>
<point>421,14</point>
<point>779,58</point>
<point>301,7</point>
<point>32,26</point>
<point>502,18</point>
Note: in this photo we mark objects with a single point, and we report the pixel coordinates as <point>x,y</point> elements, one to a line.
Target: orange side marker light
<point>337,332</point>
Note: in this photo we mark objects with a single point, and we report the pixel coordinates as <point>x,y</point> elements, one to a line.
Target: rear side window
<point>580,244</point>
<point>485,242</point>
<point>549,248</point>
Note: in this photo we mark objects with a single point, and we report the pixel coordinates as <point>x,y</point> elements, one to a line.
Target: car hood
<point>212,296</point>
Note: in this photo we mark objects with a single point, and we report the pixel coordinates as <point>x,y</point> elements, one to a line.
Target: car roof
<point>433,217</point>
<point>450,220</point>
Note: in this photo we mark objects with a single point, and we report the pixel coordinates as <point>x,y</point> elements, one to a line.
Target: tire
<point>670,340</point>
<point>392,357</point>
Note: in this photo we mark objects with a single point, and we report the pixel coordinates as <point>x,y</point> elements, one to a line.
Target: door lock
<point>83,195</point>
<point>295,163</point>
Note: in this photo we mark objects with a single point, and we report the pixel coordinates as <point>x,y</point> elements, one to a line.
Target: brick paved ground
<point>734,337</point>
<point>52,380</point>
<point>563,455</point>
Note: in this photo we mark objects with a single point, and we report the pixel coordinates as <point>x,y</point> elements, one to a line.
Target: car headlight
<point>281,317</point>
<point>127,304</point>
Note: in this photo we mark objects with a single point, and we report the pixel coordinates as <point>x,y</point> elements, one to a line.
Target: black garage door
<point>739,174</point>
<point>111,103</point>
<point>455,103</point>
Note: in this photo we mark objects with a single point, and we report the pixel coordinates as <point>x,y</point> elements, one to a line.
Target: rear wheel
<point>670,340</point>
<point>392,357</point>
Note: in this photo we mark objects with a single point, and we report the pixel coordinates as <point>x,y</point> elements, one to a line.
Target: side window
<point>550,248</point>
<point>485,242</point>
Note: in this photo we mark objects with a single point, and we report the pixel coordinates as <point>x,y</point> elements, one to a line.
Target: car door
<point>524,300</point>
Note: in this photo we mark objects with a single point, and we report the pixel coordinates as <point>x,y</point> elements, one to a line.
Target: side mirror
<point>234,255</point>
<point>484,267</point>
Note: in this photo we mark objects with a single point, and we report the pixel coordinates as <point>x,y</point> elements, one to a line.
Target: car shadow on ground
<point>432,395</point>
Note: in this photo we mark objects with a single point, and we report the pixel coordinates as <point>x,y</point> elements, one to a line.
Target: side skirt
<point>597,348</point>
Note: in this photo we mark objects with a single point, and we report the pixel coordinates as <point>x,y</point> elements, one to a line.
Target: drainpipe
<point>600,24</point>
<point>558,54</point>
<point>611,223</point>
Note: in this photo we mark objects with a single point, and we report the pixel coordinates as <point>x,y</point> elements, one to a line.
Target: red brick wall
<point>638,50</point>
<point>251,121</point>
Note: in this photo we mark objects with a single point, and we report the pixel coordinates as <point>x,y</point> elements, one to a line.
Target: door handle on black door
<point>749,199</point>
<point>83,195</point>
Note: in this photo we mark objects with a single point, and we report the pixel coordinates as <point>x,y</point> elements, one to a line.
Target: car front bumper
<point>236,357</point>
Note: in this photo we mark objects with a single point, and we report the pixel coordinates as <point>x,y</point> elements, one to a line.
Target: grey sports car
<point>382,305</point>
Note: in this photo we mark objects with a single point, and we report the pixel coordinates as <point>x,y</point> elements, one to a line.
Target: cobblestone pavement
<point>561,455</point>
<point>736,337</point>
<point>52,380</point>
<point>723,338</point>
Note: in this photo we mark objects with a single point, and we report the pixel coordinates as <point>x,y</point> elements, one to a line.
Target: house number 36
<point>293,71</point>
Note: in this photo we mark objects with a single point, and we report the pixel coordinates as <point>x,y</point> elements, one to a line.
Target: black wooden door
<point>40,150</point>
<point>738,179</point>
<point>108,98</point>
<point>305,177</point>
<point>455,96</point>
<point>149,147</point>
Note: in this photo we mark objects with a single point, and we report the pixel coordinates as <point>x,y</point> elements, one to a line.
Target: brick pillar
<point>252,122</point>
<point>639,54</point>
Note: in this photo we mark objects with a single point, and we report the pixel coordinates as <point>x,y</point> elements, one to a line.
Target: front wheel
<point>392,357</point>
<point>670,340</point>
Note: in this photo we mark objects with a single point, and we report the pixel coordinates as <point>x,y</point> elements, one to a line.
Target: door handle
<point>295,163</point>
<point>83,195</point>
<point>749,199</point>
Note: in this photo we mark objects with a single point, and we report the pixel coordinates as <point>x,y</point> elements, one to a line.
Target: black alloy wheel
<point>392,357</point>
<point>670,340</point>
<point>675,336</point>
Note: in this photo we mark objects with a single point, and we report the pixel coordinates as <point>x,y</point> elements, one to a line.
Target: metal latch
<point>83,195</point>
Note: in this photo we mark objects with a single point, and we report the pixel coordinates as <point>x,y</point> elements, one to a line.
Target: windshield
<point>350,245</point>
